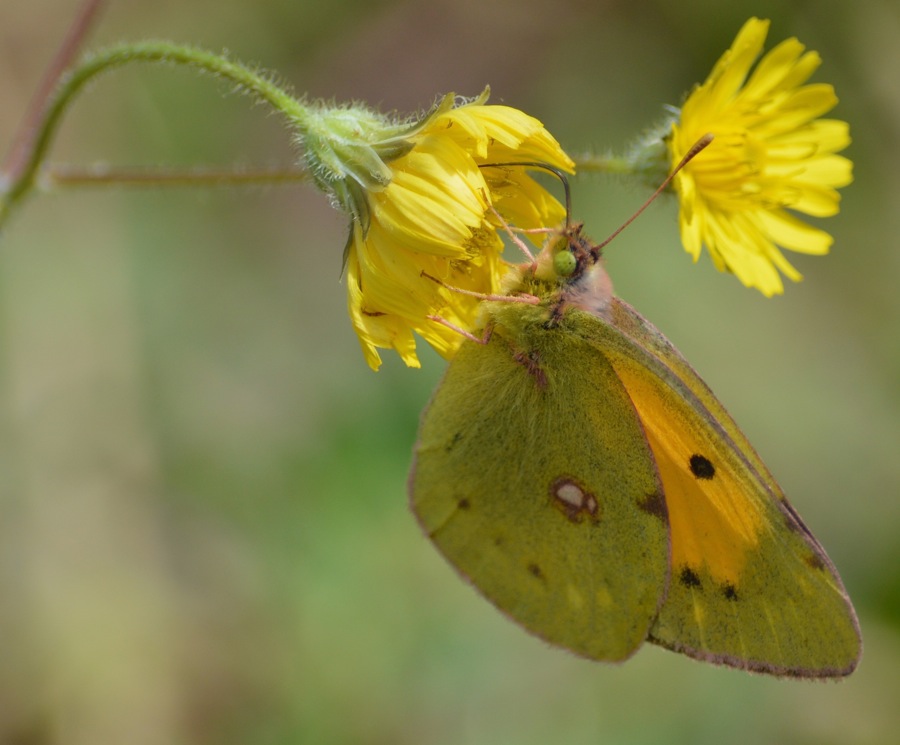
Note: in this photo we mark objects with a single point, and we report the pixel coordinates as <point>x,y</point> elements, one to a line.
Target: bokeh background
<point>204,535</point>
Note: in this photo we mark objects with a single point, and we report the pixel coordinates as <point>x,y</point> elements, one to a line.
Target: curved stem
<point>105,60</point>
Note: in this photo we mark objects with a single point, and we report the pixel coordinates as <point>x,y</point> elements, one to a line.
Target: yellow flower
<point>433,221</point>
<point>771,157</point>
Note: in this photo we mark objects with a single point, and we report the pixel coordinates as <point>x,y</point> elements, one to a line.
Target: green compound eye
<point>564,263</point>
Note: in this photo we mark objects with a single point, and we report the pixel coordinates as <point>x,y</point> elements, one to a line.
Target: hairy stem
<point>244,79</point>
<point>603,164</point>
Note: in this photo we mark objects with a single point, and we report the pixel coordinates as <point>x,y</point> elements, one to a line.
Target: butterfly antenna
<point>697,147</point>
<point>561,175</point>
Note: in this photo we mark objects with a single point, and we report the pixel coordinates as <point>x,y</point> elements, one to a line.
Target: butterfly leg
<point>523,298</point>
<point>483,339</point>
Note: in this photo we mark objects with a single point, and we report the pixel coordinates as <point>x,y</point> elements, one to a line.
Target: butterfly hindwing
<point>750,585</point>
<point>533,477</point>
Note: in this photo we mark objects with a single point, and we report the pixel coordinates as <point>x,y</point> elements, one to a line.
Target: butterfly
<point>577,471</point>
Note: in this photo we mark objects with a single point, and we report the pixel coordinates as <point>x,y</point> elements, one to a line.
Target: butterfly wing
<point>751,587</point>
<point>533,477</point>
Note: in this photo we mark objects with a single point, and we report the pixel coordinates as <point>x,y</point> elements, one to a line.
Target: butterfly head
<point>568,273</point>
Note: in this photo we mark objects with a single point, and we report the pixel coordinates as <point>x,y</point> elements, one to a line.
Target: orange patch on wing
<point>714,523</point>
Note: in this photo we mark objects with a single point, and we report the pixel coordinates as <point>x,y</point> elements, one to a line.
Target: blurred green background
<point>204,535</point>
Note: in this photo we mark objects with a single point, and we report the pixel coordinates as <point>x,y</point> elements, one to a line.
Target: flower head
<point>423,219</point>
<point>772,156</point>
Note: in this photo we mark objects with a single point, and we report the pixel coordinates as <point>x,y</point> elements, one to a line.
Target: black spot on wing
<point>535,571</point>
<point>729,592</point>
<point>701,467</point>
<point>655,504</point>
<point>688,577</point>
<point>464,504</point>
<point>814,561</point>
<point>454,441</point>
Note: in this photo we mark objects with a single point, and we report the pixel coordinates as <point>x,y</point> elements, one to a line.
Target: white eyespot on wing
<point>573,500</point>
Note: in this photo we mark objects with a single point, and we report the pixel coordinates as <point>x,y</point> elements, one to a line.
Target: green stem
<point>149,51</point>
<point>592,163</point>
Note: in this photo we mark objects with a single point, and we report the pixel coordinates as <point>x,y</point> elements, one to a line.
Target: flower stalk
<point>106,60</point>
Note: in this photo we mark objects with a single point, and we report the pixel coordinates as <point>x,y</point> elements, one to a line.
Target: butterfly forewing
<point>750,585</point>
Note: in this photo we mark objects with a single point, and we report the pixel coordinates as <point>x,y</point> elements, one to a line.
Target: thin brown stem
<point>101,175</point>
<point>28,132</point>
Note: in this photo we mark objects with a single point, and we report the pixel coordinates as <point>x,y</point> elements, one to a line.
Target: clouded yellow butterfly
<point>582,476</point>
